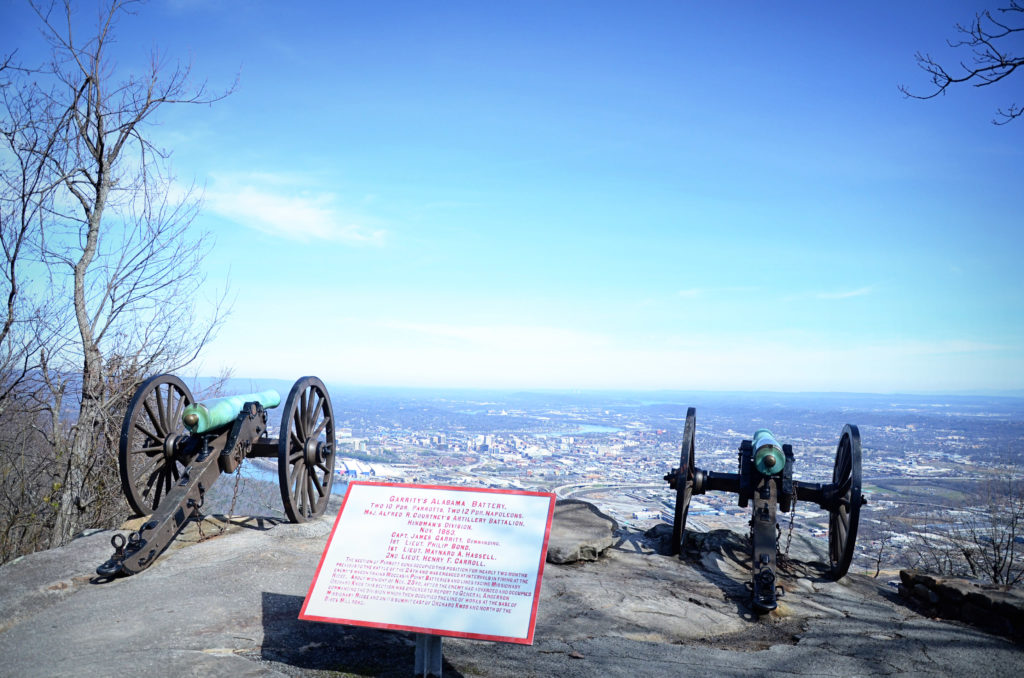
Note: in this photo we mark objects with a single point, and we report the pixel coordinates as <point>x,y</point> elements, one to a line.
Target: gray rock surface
<point>579,531</point>
<point>228,606</point>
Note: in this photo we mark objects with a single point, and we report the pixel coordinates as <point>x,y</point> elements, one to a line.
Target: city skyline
<point>593,195</point>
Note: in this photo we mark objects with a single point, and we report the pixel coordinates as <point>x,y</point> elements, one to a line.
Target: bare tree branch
<point>989,41</point>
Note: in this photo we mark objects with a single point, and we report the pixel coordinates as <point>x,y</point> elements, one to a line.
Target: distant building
<point>354,444</point>
<point>353,468</point>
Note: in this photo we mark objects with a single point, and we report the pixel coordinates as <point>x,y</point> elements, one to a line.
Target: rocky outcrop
<point>229,605</point>
<point>579,531</point>
<point>987,607</point>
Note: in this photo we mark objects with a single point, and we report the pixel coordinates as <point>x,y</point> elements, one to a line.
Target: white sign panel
<point>447,561</point>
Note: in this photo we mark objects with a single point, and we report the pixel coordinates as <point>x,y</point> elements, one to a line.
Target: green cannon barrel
<point>768,456</point>
<point>211,414</point>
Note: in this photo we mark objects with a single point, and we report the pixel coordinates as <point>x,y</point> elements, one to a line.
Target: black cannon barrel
<point>822,494</point>
<point>714,480</point>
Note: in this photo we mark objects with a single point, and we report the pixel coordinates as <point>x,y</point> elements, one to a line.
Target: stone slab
<point>579,531</point>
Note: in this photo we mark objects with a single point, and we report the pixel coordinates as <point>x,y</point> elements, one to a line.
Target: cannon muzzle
<point>768,455</point>
<point>211,414</point>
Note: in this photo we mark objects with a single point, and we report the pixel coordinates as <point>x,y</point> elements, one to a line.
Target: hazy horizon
<point>257,381</point>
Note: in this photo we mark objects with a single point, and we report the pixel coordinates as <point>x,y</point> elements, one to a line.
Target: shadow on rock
<point>633,542</point>
<point>723,558</point>
<point>297,647</point>
<point>260,523</point>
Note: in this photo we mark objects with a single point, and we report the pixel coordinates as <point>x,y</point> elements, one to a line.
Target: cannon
<point>173,449</point>
<point>766,478</point>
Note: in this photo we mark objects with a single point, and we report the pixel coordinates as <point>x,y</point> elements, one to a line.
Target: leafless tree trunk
<point>109,228</point>
<point>884,542</point>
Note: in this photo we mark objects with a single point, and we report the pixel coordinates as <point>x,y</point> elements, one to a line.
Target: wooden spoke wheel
<point>684,481</point>
<point>150,450</point>
<point>305,456</point>
<point>844,516</point>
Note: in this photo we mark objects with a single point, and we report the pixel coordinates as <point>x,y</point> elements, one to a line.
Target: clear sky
<point>596,194</point>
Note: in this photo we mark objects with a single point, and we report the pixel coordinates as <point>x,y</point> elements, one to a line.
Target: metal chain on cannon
<point>238,485</point>
<point>789,533</point>
<point>196,513</point>
<point>221,529</point>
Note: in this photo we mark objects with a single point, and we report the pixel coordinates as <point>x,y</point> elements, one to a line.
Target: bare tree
<point>989,39</point>
<point>991,541</point>
<point>983,542</point>
<point>112,232</point>
<point>26,511</point>
<point>26,188</point>
<point>884,543</point>
<point>27,184</point>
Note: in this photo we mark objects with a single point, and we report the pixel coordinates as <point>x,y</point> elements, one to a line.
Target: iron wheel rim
<point>684,481</point>
<point>151,423</point>
<point>844,517</point>
<point>305,479</point>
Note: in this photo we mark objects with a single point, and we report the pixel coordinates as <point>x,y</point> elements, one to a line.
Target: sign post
<point>428,655</point>
<point>435,560</point>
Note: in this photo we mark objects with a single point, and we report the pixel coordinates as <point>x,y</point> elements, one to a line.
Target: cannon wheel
<point>844,518</point>
<point>684,481</point>
<point>305,450</point>
<point>146,455</point>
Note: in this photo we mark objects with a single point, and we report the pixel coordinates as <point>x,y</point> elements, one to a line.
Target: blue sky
<point>596,194</point>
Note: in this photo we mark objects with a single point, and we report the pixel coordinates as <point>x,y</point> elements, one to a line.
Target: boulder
<point>579,531</point>
<point>659,537</point>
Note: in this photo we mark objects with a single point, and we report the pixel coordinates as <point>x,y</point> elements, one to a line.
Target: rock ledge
<point>579,531</point>
<point>987,607</point>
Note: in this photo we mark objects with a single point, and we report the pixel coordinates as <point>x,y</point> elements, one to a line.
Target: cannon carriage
<point>765,479</point>
<point>172,449</point>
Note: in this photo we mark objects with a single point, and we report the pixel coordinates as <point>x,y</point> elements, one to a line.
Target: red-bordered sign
<point>447,561</point>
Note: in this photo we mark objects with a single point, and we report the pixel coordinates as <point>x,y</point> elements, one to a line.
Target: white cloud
<point>271,205</point>
<point>694,292</point>
<point>922,348</point>
<point>846,294</point>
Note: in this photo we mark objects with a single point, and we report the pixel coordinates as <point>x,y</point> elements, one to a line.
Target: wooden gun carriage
<point>173,449</point>
<point>766,478</point>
